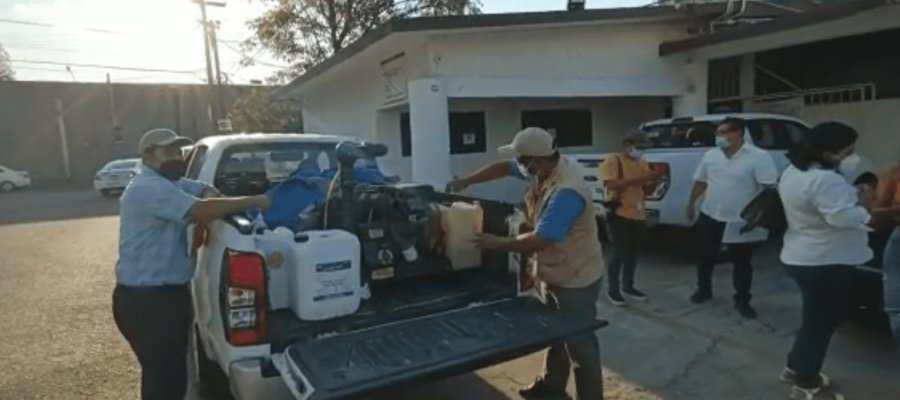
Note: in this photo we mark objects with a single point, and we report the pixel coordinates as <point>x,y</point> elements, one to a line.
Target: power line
<point>254,57</point>
<point>48,25</point>
<point>116,67</point>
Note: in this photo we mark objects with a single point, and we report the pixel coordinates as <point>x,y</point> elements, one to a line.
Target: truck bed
<point>399,301</point>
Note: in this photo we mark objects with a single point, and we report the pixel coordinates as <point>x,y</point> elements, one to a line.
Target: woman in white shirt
<point>826,238</point>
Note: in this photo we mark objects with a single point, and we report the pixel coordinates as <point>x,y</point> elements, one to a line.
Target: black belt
<point>152,289</point>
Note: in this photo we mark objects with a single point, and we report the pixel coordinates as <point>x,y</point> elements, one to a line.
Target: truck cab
<point>360,300</point>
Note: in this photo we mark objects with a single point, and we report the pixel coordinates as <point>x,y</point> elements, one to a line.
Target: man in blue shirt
<point>151,301</point>
<point>568,257</point>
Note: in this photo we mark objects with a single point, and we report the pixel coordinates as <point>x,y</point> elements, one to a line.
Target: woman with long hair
<point>827,236</point>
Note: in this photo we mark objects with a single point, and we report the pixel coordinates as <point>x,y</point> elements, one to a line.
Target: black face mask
<point>173,169</point>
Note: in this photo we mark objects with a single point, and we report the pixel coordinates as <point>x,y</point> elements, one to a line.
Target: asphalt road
<point>59,340</point>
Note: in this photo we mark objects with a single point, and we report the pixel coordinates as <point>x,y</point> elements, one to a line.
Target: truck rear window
<point>681,135</point>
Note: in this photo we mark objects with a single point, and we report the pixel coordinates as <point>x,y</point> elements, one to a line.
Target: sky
<point>161,36</point>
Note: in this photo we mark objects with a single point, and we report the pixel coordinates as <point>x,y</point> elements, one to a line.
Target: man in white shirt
<point>728,177</point>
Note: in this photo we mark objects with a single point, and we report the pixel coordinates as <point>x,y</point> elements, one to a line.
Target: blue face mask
<point>636,153</point>
<point>722,142</point>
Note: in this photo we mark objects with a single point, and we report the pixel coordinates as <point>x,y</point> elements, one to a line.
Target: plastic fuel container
<point>462,222</point>
<point>325,281</point>
<point>277,248</point>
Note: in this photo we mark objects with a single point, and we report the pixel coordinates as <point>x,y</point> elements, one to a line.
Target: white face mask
<point>722,142</point>
<point>636,153</point>
<point>849,164</point>
<point>523,170</point>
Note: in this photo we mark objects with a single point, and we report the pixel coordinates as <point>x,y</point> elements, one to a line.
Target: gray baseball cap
<point>161,137</point>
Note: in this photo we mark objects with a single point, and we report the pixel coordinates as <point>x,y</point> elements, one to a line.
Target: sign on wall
<point>393,78</point>
<point>394,81</point>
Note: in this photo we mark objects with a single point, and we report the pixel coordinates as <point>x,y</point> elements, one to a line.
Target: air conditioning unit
<point>576,5</point>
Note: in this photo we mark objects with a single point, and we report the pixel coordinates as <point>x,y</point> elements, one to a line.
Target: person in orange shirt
<point>625,175</point>
<point>890,265</point>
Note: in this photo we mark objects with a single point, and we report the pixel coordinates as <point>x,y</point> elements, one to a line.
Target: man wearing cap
<point>624,176</point>
<point>568,255</point>
<point>152,301</point>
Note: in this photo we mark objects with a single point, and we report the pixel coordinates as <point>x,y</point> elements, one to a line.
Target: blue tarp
<point>305,188</point>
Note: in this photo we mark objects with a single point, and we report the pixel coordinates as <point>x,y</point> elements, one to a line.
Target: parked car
<point>11,179</point>
<point>318,313</point>
<point>115,176</point>
<point>678,144</point>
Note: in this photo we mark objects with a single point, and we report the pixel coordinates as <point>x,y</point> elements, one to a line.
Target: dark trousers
<point>583,350</point>
<point>740,254</point>
<point>156,323</point>
<point>826,296</point>
<point>626,236</point>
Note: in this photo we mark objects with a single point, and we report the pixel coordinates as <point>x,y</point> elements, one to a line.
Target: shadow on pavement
<point>464,387</point>
<point>29,206</point>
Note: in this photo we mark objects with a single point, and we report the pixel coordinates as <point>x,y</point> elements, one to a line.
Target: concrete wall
<point>627,50</point>
<point>878,123</point>
<point>611,120</point>
<point>29,133</point>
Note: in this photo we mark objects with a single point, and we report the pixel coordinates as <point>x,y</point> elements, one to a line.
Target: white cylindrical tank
<point>462,222</point>
<point>325,279</point>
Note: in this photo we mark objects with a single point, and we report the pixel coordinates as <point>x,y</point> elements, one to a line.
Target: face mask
<point>523,170</point>
<point>636,153</point>
<point>170,167</point>
<point>173,169</point>
<point>722,142</point>
<point>849,164</point>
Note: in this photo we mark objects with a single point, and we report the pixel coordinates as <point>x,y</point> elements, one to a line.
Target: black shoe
<point>700,297</point>
<point>745,310</point>
<point>540,390</point>
<point>615,297</point>
<point>635,294</point>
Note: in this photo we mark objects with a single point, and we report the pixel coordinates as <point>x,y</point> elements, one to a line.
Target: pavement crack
<point>713,344</point>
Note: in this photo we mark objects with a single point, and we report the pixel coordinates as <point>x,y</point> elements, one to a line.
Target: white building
<point>444,93</point>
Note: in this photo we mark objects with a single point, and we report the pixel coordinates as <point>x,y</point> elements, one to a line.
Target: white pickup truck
<point>678,145</point>
<point>319,313</point>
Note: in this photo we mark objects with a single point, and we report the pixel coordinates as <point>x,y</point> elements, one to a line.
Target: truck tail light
<point>244,298</point>
<point>658,191</point>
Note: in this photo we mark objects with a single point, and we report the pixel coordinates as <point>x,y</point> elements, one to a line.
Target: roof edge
<point>826,13</point>
<point>425,24</point>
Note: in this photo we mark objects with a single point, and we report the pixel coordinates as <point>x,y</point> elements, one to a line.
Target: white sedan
<point>11,179</point>
<point>115,176</point>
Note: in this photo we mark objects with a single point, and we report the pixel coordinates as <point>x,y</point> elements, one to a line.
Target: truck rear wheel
<point>211,380</point>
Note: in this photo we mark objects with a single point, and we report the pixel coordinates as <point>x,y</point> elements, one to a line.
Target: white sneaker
<point>820,393</point>
<point>790,376</point>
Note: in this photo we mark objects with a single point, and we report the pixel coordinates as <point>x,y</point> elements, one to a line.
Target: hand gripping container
<point>325,279</point>
<point>462,222</point>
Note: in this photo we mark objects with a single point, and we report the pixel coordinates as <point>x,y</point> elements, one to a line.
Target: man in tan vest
<point>568,255</point>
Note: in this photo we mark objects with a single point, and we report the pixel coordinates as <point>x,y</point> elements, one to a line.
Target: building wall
<point>614,50</point>
<point>878,123</point>
<point>611,120</point>
<point>353,98</point>
<point>30,135</point>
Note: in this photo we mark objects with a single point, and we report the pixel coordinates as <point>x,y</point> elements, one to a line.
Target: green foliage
<point>6,71</point>
<point>303,33</point>
<point>257,113</point>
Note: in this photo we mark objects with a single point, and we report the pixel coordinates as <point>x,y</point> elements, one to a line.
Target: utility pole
<point>207,44</point>
<point>214,42</point>
<point>63,140</point>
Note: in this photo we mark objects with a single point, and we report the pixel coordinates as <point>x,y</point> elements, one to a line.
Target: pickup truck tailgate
<point>423,349</point>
